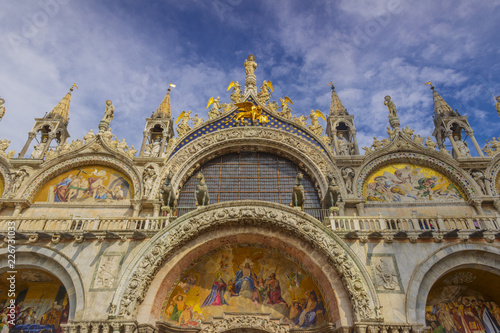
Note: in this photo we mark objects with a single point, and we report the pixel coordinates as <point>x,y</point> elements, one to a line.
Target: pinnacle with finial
<point>61,110</point>
<point>336,106</point>
<point>164,110</point>
<point>441,108</point>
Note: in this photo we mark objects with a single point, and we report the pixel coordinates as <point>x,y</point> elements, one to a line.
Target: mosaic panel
<point>41,302</point>
<point>431,162</point>
<point>82,161</point>
<point>409,183</point>
<point>87,184</point>
<point>245,279</point>
<point>464,301</point>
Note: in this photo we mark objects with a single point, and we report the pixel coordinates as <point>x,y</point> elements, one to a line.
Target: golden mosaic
<point>409,183</point>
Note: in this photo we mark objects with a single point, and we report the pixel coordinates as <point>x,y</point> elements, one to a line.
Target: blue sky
<point>129,51</point>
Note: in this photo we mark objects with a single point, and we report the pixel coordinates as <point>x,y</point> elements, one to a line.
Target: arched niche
<point>250,273</point>
<point>429,166</point>
<point>315,162</point>
<point>466,299</point>
<point>439,266</point>
<point>54,266</point>
<point>342,268</point>
<point>99,162</point>
<point>87,184</point>
<point>407,182</point>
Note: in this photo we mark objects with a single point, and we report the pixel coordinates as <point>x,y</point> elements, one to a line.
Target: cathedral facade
<point>252,220</point>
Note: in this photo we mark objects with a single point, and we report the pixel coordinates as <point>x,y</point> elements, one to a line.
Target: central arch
<point>161,253</point>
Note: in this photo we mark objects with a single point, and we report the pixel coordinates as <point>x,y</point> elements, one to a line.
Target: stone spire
<point>61,110</point>
<point>164,110</point>
<point>441,108</point>
<point>336,106</point>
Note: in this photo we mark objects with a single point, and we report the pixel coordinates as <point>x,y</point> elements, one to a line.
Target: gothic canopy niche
<point>242,279</point>
<point>412,177</point>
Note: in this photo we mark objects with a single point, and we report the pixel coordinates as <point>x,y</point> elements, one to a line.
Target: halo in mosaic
<point>229,121</point>
<point>59,168</point>
<point>458,179</point>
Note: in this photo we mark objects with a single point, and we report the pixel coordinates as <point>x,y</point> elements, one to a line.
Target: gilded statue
<point>286,111</point>
<point>109,112</point>
<point>315,127</point>
<point>393,112</point>
<point>236,94</point>
<point>302,120</point>
<point>183,127</point>
<point>248,111</point>
<point>265,91</point>
<point>215,110</point>
<point>250,65</point>
<point>2,108</point>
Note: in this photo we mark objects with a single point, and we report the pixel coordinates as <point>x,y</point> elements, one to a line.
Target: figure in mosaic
<point>201,193</point>
<point>298,196</point>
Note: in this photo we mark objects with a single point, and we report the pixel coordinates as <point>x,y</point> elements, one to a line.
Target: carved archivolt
<point>461,178</point>
<point>492,173</point>
<point>356,281</point>
<point>316,162</point>
<point>45,175</point>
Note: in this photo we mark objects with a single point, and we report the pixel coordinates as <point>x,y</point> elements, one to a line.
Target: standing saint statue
<point>109,112</point>
<point>393,113</point>
<point>250,65</point>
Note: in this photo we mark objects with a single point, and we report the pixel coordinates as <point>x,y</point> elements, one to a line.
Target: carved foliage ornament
<point>190,225</point>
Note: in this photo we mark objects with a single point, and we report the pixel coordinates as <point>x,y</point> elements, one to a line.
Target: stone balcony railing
<point>357,227</point>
